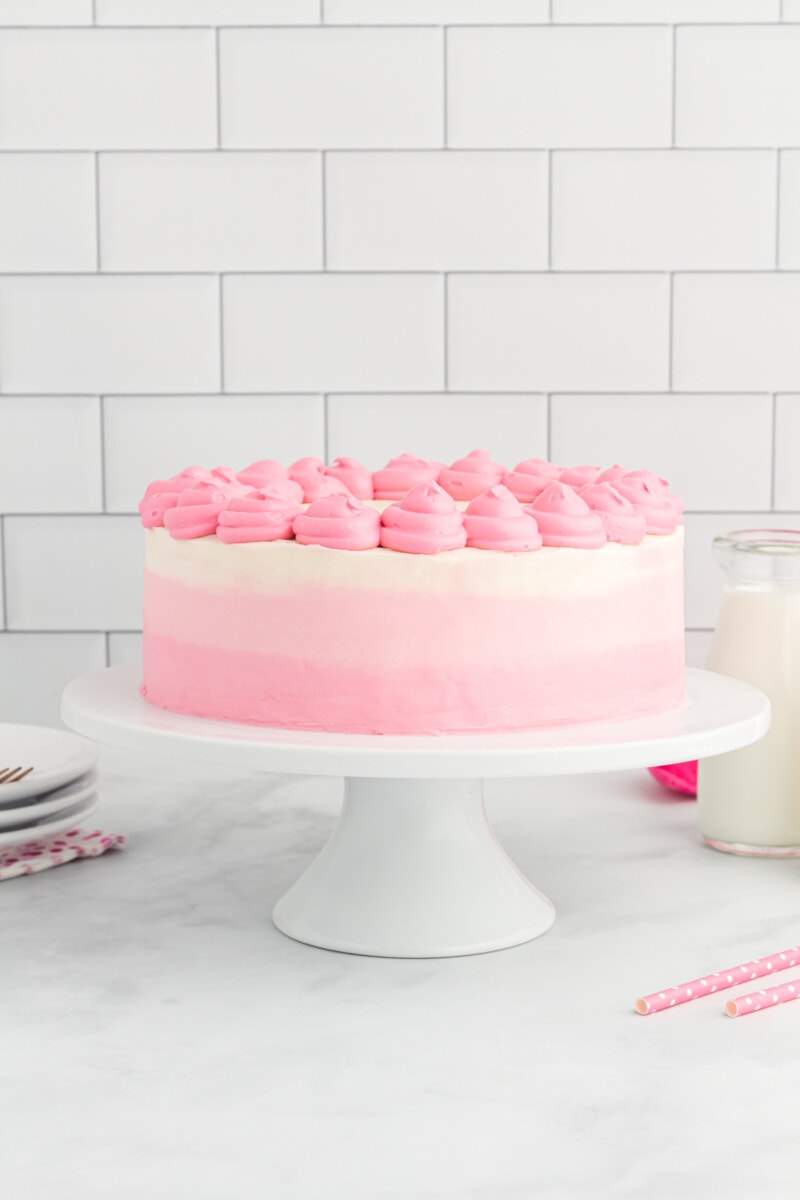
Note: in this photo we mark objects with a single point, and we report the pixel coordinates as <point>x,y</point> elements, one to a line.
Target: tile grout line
<point>324,173</point>
<point>97,211</point>
<point>445,130</point>
<point>221,333</point>
<point>674,76</point>
<point>3,565</point>
<point>218,89</point>
<point>107,639</point>
<point>446,331</point>
<point>102,421</point>
<point>773,455</point>
<point>549,210</point>
<point>325,446</point>
<point>655,148</point>
<point>778,165</point>
<point>549,426</point>
<point>670,332</point>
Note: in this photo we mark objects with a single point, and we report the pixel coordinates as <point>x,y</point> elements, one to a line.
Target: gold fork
<point>14,774</point>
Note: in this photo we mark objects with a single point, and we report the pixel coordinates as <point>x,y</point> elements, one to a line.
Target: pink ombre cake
<point>418,599</point>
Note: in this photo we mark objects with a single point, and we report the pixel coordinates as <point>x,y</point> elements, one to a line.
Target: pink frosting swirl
<point>469,477</point>
<point>564,519</point>
<point>658,485</point>
<point>653,500</point>
<point>621,521</point>
<point>402,474</point>
<point>355,477</point>
<point>269,474</point>
<point>579,477</point>
<point>263,515</point>
<point>162,494</point>
<point>310,474</point>
<point>197,512</point>
<point>426,521</point>
<point>497,521</point>
<point>529,478</point>
<point>339,522</point>
<point>227,478</point>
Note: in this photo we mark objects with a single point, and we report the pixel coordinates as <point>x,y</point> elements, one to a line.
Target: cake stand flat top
<point>717,714</point>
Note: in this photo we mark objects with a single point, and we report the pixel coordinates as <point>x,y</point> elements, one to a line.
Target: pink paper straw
<point>781,994</point>
<point>717,983</point>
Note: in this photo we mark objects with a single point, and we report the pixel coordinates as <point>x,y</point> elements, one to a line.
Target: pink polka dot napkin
<point>29,857</point>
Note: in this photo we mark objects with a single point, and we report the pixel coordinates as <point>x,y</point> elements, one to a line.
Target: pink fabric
<point>678,777</point>
<point>39,855</point>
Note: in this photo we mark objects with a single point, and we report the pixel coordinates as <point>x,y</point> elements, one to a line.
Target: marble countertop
<point>161,1039</point>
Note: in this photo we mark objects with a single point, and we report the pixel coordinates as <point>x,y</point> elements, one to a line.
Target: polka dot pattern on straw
<point>782,994</point>
<point>719,982</point>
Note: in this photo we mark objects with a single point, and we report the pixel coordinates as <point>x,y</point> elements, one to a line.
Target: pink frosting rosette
<point>310,474</point>
<point>657,484</point>
<point>227,478</point>
<point>621,521</point>
<point>269,475</point>
<point>197,512</point>
<point>579,477</point>
<point>263,515</point>
<point>355,477</point>
<point>162,494</point>
<point>650,498</point>
<point>340,522</point>
<point>529,478</point>
<point>564,519</point>
<point>403,473</point>
<point>497,521</point>
<point>469,477</point>
<point>426,521</point>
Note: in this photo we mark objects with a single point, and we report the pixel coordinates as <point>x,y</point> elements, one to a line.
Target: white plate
<point>54,802</point>
<point>70,819</point>
<point>56,756</point>
<point>72,789</point>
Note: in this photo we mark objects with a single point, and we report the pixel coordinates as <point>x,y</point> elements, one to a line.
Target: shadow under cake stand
<point>413,869</point>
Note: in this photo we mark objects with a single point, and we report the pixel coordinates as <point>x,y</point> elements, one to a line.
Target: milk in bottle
<point>749,800</point>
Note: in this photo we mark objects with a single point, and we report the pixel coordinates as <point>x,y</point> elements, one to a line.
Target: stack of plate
<point>57,794</point>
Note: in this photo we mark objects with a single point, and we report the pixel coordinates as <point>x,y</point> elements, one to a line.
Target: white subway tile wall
<point>235,229</point>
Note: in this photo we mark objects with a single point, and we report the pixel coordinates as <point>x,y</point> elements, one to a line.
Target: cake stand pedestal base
<point>413,869</point>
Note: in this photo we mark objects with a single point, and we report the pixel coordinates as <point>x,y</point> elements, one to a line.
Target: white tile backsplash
<point>738,86</point>
<point>436,12</point>
<point>441,427</point>
<point>663,209</point>
<point>35,233</point>
<point>445,210</point>
<point>716,451</point>
<point>109,333</point>
<point>333,332</point>
<point>45,12</point>
<point>533,87</point>
<point>74,573</point>
<point>737,332</point>
<point>516,332</point>
<point>210,212</point>
<point>83,89</point>
<point>334,87</point>
<point>50,454</point>
<point>207,12</point>
<point>233,229</point>
<point>40,666</point>
<point>787,460</point>
<point>209,430</point>
<point>659,11</point>
<point>124,649</point>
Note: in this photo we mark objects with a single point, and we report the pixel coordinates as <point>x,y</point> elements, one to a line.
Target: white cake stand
<point>412,869</point>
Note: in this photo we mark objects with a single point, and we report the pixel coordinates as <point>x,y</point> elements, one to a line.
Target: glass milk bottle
<point>749,800</point>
